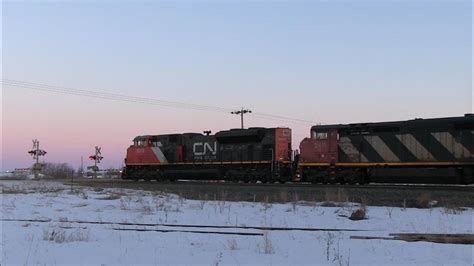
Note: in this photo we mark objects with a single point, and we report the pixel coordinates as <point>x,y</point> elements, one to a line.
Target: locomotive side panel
<point>283,144</point>
<point>413,142</point>
<point>254,144</point>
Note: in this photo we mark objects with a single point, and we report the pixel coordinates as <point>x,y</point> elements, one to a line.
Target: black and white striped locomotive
<point>439,150</point>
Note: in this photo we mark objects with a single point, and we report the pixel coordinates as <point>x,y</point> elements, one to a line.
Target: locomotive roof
<point>466,121</point>
<point>223,133</point>
<point>143,137</point>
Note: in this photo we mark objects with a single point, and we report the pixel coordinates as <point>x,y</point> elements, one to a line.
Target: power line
<point>111,96</point>
<point>133,99</point>
<point>283,118</point>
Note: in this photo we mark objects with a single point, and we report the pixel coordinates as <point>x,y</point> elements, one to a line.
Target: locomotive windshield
<point>319,135</point>
<point>139,141</point>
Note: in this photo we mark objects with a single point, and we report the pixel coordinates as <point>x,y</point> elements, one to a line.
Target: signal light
<point>96,158</point>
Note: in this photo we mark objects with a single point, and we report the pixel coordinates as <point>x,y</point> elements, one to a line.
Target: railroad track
<point>394,195</point>
<point>275,185</point>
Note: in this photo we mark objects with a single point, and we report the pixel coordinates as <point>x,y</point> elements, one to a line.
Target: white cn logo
<point>201,148</point>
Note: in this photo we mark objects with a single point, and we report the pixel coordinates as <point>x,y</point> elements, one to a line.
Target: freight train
<point>437,150</point>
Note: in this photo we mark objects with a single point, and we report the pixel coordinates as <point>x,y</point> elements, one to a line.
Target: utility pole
<point>81,170</point>
<point>96,158</point>
<point>36,152</point>
<point>241,112</point>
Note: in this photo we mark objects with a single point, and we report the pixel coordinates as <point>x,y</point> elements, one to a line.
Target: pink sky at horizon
<point>71,126</point>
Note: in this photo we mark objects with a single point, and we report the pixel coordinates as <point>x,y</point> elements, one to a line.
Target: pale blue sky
<point>330,62</point>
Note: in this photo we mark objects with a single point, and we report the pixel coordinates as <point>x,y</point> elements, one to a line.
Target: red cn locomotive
<point>254,154</point>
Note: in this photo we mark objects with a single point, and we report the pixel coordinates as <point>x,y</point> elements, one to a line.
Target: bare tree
<point>57,170</point>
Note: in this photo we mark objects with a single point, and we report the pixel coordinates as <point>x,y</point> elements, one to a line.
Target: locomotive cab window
<point>140,143</point>
<point>320,135</point>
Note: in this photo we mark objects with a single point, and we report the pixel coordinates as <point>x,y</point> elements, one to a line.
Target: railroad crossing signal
<point>36,152</point>
<point>96,158</point>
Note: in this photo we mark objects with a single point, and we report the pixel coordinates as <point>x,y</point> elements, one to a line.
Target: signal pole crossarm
<point>241,112</point>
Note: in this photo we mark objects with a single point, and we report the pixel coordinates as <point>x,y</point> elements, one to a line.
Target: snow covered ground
<point>46,223</point>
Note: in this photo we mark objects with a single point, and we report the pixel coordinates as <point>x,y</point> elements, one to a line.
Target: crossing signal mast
<point>96,158</point>
<point>36,152</point>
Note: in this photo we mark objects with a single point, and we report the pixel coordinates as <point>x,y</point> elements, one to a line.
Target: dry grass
<point>14,189</point>
<point>48,189</point>
<point>232,244</point>
<point>283,196</point>
<point>203,199</point>
<point>112,196</point>
<point>266,203</point>
<point>329,239</point>
<point>80,205</point>
<point>267,244</point>
<point>80,193</point>
<point>389,212</point>
<point>453,209</point>
<point>332,199</point>
<point>294,203</point>
<point>125,203</point>
<point>37,188</point>
<point>61,236</point>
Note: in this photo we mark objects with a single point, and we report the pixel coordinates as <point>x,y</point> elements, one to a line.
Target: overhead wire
<point>133,99</point>
<point>110,96</point>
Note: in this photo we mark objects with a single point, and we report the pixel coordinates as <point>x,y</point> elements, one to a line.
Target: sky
<point>322,61</point>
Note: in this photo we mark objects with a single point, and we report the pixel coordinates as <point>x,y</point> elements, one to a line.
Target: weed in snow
<point>203,200</point>
<point>424,201</point>
<point>125,203</point>
<point>232,244</point>
<point>266,203</point>
<point>452,209</point>
<point>218,259</point>
<point>329,240</point>
<point>283,196</point>
<point>111,196</point>
<point>294,203</point>
<point>59,235</point>
<point>14,189</point>
<point>267,245</point>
